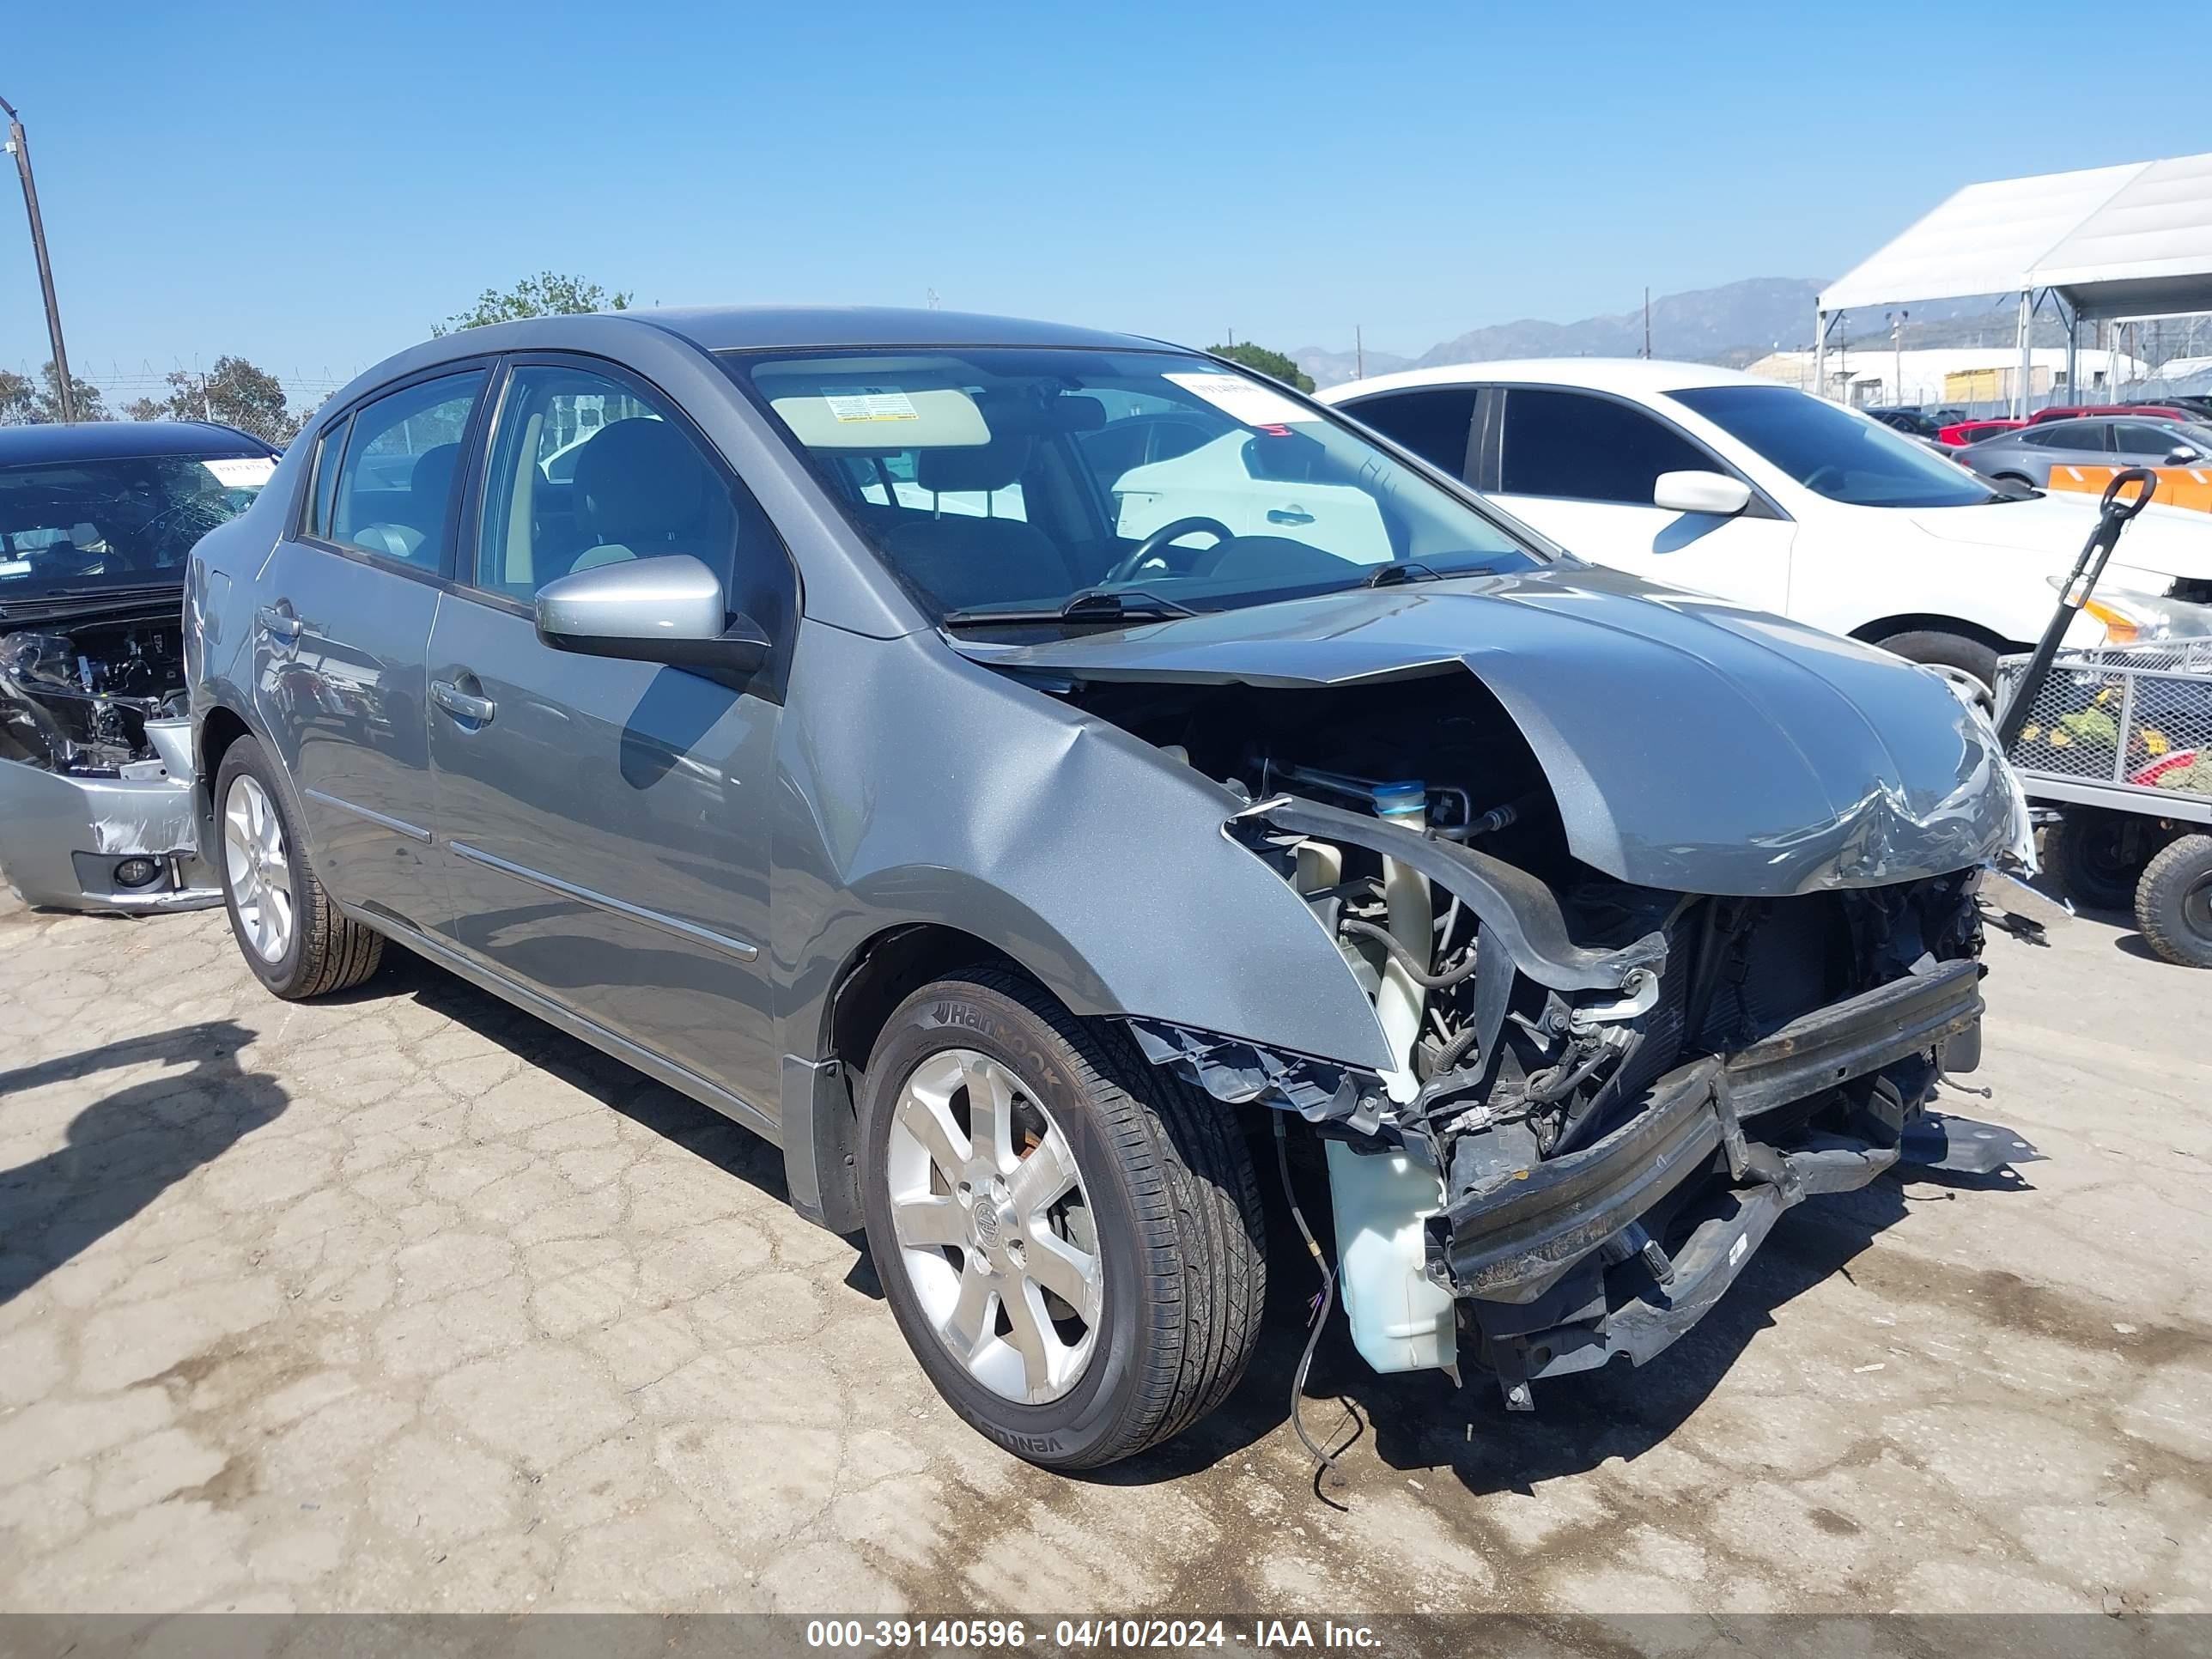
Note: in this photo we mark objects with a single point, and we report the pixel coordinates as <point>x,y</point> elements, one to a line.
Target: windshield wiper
<point>1098,604</point>
<point>1396,575</point>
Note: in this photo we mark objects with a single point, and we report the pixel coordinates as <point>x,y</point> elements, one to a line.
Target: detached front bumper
<point>66,841</point>
<point>1553,1261</point>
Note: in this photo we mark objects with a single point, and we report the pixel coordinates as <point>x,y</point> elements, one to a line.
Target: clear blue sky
<point>313,186</point>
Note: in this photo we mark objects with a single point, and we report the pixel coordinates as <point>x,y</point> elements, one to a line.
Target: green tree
<point>546,294</point>
<point>235,391</point>
<point>1260,360</point>
<point>24,404</point>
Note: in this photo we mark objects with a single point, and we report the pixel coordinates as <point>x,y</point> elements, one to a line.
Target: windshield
<point>1002,479</point>
<point>83,527</point>
<point>1834,453</point>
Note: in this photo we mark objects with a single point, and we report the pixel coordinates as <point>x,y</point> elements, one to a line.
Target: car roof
<point>111,440</point>
<point>1631,376</point>
<point>744,328</point>
<point>731,328</point>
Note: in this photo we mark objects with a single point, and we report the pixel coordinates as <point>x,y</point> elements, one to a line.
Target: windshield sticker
<point>872,403</point>
<point>1246,401</point>
<point>241,471</point>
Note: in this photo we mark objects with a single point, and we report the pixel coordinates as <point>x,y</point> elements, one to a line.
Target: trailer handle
<point>2112,515</point>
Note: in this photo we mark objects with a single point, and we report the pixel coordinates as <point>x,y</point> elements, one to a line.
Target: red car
<point>2067,411</point>
<point>1972,432</point>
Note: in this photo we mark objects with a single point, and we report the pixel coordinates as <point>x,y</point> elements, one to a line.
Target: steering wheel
<point>1159,538</point>
<point>1812,480</point>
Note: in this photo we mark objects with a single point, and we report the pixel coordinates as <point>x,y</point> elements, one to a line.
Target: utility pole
<point>1647,323</point>
<point>1897,357</point>
<point>1358,354</point>
<point>20,147</point>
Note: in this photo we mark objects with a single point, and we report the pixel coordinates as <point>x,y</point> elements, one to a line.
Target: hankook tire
<point>1070,1239</point>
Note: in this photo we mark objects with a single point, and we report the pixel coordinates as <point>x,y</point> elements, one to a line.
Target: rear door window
<point>2066,435</point>
<point>394,493</point>
<point>1571,445</point>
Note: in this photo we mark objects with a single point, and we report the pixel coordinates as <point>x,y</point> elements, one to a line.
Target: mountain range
<point>1734,324</point>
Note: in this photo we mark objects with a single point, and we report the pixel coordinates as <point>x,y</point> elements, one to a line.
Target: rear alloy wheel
<point>296,941</point>
<point>1070,1240</point>
<point>2174,902</point>
<point>258,868</point>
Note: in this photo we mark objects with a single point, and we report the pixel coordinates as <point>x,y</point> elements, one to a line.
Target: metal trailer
<point>2117,740</point>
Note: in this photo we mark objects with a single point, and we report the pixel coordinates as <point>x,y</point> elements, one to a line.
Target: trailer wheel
<point>2097,856</point>
<point>2174,902</point>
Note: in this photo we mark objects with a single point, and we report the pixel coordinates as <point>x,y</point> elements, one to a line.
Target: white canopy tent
<point>2106,243</point>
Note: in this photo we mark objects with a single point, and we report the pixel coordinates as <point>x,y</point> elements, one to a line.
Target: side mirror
<point>2183,455</point>
<point>666,609</point>
<point>1700,492</point>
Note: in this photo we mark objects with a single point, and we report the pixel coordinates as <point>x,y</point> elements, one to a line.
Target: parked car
<point>96,522</point>
<point>1910,421</point>
<point>1961,433</point>
<point>2027,456</point>
<point>1007,869</point>
<point>2076,411</point>
<point>1772,498</point>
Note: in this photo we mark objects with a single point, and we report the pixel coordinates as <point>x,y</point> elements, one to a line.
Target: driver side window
<point>1569,446</point>
<point>588,470</point>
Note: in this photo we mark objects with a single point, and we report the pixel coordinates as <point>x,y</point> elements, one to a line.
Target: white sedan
<point>1762,495</point>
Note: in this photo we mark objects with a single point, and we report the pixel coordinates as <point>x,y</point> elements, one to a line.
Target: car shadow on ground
<point>677,1117</point>
<point>129,1146</point>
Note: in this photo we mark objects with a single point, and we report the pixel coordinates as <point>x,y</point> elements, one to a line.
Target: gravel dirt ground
<point>403,1301</point>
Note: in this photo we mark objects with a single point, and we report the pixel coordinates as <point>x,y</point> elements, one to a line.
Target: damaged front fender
<point>1144,910</point>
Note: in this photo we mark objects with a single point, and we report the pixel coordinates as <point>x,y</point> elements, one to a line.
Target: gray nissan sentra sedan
<point>1026,773</point>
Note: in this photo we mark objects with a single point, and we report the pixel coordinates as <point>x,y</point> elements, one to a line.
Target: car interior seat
<point>963,559</point>
<point>641,491</point>
<point>419,536</point>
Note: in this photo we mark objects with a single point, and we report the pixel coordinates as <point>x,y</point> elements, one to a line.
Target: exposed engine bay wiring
<point>76,699</point>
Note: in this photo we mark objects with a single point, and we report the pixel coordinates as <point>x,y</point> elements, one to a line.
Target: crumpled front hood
<point>2162,541</point>
<point>1693,744</point>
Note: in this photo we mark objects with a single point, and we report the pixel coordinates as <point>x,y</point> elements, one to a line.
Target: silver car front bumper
<point>64,839</point>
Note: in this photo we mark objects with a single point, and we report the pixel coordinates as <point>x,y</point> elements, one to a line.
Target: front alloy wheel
<point>1069,1239</point>
<point>994,1227</point>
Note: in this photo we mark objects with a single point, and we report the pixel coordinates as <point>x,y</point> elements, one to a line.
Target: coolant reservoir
<point>1401,1320</point>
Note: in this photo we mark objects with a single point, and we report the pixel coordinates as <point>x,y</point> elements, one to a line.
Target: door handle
<point>279,624</point>
<point>463,705</point>
<point>1290,515</point>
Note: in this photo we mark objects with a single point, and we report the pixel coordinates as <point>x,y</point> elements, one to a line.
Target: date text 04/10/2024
<point>1079,1634</point>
